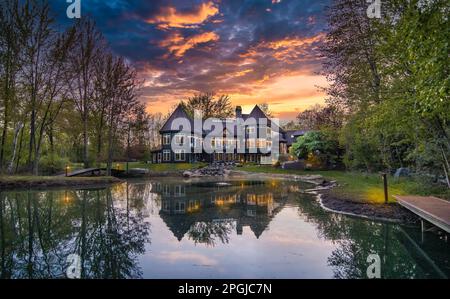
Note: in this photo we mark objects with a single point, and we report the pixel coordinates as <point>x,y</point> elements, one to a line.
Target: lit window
<point>180,155</point>
<point>166,155</point>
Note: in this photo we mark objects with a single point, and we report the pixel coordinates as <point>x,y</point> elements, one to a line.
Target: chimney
<point>238,112</point>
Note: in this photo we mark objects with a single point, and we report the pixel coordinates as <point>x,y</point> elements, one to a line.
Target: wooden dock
<point>431,209</point>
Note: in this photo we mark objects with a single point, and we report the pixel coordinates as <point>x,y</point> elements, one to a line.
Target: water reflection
<point>40,229</point>
<point>241,229</point>
<point>209,213</point>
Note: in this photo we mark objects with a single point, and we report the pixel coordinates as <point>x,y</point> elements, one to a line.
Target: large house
<point>252,146</point>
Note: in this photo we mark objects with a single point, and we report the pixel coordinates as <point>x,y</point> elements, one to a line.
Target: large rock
<point>187,174</point>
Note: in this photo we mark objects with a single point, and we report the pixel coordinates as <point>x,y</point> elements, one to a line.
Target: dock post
<point>422,229</point>
<point>385,182</point>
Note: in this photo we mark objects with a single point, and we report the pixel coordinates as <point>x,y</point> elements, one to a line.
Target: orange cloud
<point>178,45</point>
<point>170,17</point>
<point>286,50</point>
<point>286,95</point>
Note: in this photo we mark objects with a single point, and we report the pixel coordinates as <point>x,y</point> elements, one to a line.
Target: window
<point>166,139</point>
<point>179,207</point>
<point>179,140</point>
<point>166,155</point>
<point>268,132</point>
<point>261,143</point>
<point>180,155</point>
<point>251,143</point>
<point>250,130</point>
<point>166,190</point>
<point>179,191</point>
<point>166,206</point>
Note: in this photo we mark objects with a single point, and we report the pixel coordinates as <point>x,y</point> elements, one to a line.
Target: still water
<point>166,228</point>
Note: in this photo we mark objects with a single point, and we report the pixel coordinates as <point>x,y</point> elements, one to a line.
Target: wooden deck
<point>431,209</point>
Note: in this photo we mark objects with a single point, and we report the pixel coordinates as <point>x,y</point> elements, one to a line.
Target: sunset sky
<point>256,51</point>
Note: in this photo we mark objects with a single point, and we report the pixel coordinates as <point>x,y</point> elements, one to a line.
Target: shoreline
<point>12,183</point>
<point>391,212</point>
<point>322,190</point>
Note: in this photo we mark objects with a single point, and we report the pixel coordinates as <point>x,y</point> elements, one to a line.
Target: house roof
<point>292,135</point>
<point>230,124</point>
<point>179,112</point>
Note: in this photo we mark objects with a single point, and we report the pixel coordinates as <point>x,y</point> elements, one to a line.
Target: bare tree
<point>210,105</point>
<point>119,87</point>
<point>9,66</point>
<point>89,49</point>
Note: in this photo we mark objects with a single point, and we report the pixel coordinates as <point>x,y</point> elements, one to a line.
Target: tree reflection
<point>38,230</point>
<point>208,232</point>
<point>356,239</point>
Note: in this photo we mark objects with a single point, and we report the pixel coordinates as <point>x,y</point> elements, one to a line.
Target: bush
<point>50,164</point>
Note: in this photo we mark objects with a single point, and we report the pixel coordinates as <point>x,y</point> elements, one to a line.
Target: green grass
<point>32,179</point>
<point>165,167</point>
<point>366,188</point>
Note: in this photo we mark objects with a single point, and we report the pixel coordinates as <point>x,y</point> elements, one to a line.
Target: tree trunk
<point>32,141</point>
<point>5,115</point>
<point>446,166</point>
<point>85,140</point>
<point>16,135</point>
<point>19,152</point>
<point>110,150</point>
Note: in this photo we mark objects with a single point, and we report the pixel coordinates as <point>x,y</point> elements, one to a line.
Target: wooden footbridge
<point>432,209</point>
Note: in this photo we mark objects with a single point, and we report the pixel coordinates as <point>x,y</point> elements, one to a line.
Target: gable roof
<point>256,113</point>
<point>179,112</point>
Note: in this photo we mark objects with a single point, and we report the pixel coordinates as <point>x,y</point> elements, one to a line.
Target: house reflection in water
<point>206,213</point>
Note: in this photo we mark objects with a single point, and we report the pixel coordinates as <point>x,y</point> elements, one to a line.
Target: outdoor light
<point>67,170</point>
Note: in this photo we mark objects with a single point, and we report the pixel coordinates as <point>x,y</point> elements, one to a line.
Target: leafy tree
<point>316,144</point>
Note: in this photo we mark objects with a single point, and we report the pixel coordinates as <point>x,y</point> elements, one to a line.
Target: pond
<point>169,228</point>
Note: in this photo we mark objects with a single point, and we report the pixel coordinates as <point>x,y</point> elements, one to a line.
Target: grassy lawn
<point>367,188</point>
<point>25,178</point>
<point>169,167</point>
<point>19,182</point>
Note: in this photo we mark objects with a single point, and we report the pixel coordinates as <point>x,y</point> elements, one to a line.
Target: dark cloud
<point>233,46</point>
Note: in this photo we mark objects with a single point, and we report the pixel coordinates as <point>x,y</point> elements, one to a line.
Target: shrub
<point>50,164</point>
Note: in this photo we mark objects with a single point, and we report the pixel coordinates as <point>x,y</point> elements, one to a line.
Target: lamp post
<point>67,170</point>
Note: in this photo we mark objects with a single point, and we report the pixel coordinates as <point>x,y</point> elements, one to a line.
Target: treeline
<point>388,102</point>
<point>64,96</point>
